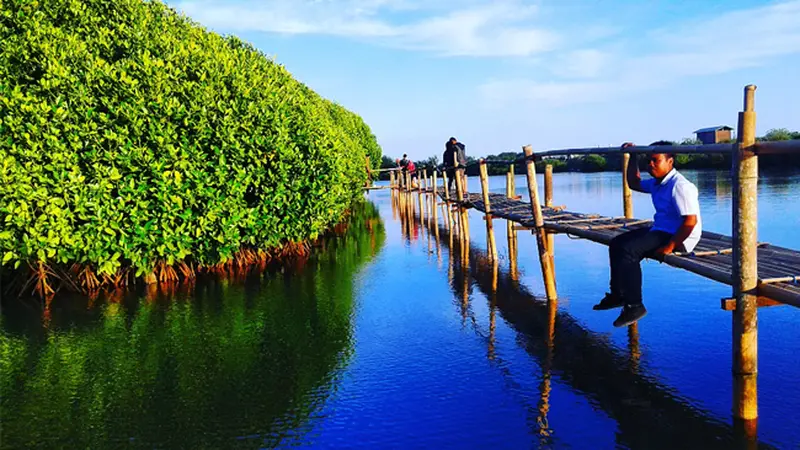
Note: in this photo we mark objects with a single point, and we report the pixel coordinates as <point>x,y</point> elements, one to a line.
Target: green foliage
<point>129,135</point>
<point>593,163</point>
<point>559,165</point>
<point>430,163</point>
<point>779,134</point>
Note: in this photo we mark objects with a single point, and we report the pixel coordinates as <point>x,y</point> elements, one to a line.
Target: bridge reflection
<point>649,414</point>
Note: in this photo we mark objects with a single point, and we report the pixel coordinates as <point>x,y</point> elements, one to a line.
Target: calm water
<point>392,336</point>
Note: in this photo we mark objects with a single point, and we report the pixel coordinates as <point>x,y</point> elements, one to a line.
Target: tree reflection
<point>223,364</point>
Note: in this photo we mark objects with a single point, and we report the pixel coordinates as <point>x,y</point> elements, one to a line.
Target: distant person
<point>454,156</point>
<point>461,153</point>
<point>412,169</point>
<point>676,226</point>
<point>448,164</point>
<point>404,162</point>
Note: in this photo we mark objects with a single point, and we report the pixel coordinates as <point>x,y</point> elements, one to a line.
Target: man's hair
<point>405,155</point>
<point>452,139</point>
<point>669,155</point>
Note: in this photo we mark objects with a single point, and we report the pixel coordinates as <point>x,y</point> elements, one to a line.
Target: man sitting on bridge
<point>676,226</point>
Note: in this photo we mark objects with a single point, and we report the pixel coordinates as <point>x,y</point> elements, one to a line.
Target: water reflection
<point>648,413</point>
<point>215,365</point>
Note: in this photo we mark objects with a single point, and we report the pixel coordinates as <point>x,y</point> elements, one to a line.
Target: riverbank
<point>46,280</point>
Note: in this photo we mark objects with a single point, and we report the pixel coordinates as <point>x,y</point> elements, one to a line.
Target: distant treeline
<point>602,163</point>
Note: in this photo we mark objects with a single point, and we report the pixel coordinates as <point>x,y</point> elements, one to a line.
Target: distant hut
<point>714,135</point>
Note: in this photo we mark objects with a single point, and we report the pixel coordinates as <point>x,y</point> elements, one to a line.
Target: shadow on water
<point>219,364</point>
<point>648,413</point>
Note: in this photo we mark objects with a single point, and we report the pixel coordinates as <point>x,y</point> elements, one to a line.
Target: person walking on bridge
<point>407,165</point>
<point>453,157</point>
<point>676,226</point>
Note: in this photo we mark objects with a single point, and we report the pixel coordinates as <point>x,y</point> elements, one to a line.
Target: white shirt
<point>674,198</point>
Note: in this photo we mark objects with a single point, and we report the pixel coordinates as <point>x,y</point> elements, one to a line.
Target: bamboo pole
<point>369,173</point>
<point>446,187</point>
<point>492,310</point>
<point>424,191</point>
<point>513,181</point>
<point>511,228</point>
<point>745,267</point>
<point>633,347</point>
<point>419,199</point>
<point>627,201</point>
<point>433,198</point>
<point>545,258</point>
<point>545,432</point>
<point>702,149</point>
<point>463,176</point>
<point>548,201</point>
<point>490,241</point>
<point>463,215</point>
<point>448,213</point>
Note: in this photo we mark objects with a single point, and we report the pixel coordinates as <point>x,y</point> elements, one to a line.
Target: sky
<point>500,74</point>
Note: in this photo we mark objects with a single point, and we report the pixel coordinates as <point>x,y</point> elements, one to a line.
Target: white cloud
<point>731,41</point>
<point>583,63</point>
<point>447,28</point>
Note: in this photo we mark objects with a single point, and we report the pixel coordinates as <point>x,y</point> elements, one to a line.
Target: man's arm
<point>683,232</point>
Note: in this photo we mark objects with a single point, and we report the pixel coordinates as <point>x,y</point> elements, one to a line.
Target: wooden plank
<point>729,304</point>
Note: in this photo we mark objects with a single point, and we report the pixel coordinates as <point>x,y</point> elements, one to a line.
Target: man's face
<point>659,165</point>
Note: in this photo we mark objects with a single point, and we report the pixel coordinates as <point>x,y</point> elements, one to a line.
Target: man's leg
<point>619,263</point>
<point>617,269</point>
<point>450,181</point>
<point>629,254</point>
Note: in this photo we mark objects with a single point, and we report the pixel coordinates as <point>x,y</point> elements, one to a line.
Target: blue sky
<point>499,74</point>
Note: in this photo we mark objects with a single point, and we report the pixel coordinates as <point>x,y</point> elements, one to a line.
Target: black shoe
<point>610,301</point>
<point>629,315</point>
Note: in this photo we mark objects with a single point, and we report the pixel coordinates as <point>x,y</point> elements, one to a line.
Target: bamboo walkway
<point>778,267</point>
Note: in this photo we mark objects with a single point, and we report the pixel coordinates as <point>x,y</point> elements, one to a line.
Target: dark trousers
<point>625,253</point>
<point>451,178</point>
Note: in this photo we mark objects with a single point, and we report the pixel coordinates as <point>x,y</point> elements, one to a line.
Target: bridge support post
<point>433,197</point>
<point>745,269</point>
<point>627,202</point>
<point>545,257</point>
<point>548,201</point>
<point>463,214</point>
<point>424,193</point>
<point>448,213</point>
<point>490,242</point>
<point>420,181</point>
<point>511,231</point>
<point>369,173</point>
<point>627,208</point>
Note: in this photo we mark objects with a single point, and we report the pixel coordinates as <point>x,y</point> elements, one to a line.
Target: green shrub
<point>130,135</point>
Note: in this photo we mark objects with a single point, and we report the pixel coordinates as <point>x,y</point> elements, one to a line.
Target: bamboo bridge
<point>761,274</point>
